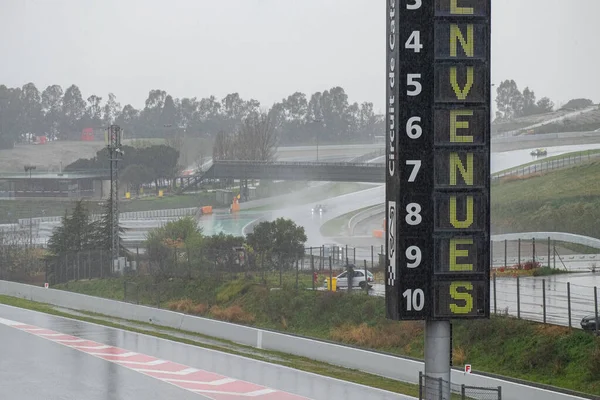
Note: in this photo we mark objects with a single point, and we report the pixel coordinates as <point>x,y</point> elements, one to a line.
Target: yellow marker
<point>466,173</point>
<point>467,45</point>
<point>455,253</point>
<point>461,296</point>
<point>455,124</point>
<point>456,10</point>
<point>454,218</point>
<point>462,94</point>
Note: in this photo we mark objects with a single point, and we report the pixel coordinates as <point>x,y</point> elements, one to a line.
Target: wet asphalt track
<point>46,364</point>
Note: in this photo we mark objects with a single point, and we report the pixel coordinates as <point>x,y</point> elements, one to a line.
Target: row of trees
<point>325,116</point>
<point>513,104</point>
<point>180,248</point>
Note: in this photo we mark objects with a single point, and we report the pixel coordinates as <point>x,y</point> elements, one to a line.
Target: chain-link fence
<point>431,388</point>
<point>548,165</point>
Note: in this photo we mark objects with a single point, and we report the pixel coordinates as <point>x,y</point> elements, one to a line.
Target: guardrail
<point>382,364</point>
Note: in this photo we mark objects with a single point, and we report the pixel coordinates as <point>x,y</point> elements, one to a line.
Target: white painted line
<point>248,394</point>
<point>129,354</point>
<point>213,383</point>
<point>147,363</point>
<point>186,371</point>
<point>99,347</point>
<point>9,322</point>
<point>50,334</point>
<point>69,340</point>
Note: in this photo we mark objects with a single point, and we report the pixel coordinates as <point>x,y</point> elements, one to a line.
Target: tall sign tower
<point>438,168</point>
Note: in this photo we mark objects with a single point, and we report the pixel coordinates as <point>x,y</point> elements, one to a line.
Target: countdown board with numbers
<point>438,159</point>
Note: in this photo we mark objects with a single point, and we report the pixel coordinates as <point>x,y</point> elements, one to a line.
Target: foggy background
<point>267,49</point>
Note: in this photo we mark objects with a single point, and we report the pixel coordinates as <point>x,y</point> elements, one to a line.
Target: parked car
<point>358,279</point>
<point>588,323</point>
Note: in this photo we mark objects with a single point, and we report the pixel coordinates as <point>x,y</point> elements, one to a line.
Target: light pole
<point>29,168</point>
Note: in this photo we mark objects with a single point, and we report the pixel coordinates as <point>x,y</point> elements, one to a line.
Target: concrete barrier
<point>364,215</point>
<point>387,365</point>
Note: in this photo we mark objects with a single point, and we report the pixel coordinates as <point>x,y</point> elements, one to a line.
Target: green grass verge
<point>300,363</point>
<point>335,226</point>
<point>566,200</point>
<point>583,154</point>
<point>515,348</point>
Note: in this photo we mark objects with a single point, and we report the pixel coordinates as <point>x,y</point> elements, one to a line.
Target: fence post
<point>330,274</point>
<point>312,271</point>
<point>519,254</point>
<point>554,252</point>
<point>569,301</point>
<point>420,385</point>
<point>322,260</point>
<point>518,298</point>
<point>441,388</point>
<point>499,392</point>
<point>505,253</point>
<point>495,310</point>
<point>548,251</point>
<point>596,307</point>
<point>544,297</point>
<point>367,283</point>
<point>125,291</point>
<point>372,258</point>
<point>463,392</point>
<point>354,251</point>
<point>533,242</point>
<point>492,253</point>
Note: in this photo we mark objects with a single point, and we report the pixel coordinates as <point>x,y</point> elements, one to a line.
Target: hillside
<point>47,157</point>
<point>566,200</point>
<point>587,119</point>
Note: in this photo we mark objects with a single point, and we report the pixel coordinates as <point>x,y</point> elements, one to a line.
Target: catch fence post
<point>519,253</point>
<point>518,298</point>
<point>569,301</point>
<point>495,297</point>
<point>548,251</point>
<point>505,253</point>
<point>330,274</point>
<point>367,280</point>
<point>596,308</point>
<point>544,297</point>
<point>372,258</point>
<point>312,271</point>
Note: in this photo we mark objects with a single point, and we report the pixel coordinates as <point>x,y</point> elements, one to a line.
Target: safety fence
<point>438,389</point>
<point>549,165</point>
<point>131,215</point>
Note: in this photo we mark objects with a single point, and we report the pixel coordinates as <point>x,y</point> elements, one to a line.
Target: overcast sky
<point>268,49</point>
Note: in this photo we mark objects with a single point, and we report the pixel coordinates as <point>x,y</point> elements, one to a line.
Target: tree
<point>167,246</point>
<point>529,104</point>
<point>545,105</point>
<point>111,109</point>
<point>509,99</point>
<point>136,175</point>
<point>280,240</point>
<point>73,109</point>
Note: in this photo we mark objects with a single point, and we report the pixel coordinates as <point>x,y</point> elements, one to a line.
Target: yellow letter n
<point>468,45</point>
<point>456,164</point>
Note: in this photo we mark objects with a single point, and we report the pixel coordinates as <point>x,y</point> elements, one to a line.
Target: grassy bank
<point>566,200</point>
<point>520,349</point>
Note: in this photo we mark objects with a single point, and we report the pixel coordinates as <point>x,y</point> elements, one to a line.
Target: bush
<point>232,314</point>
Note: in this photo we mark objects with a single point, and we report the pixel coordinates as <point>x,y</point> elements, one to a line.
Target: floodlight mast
<point>114,153</point>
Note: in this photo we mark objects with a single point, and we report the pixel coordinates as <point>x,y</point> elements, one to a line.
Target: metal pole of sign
<point>437,358</point>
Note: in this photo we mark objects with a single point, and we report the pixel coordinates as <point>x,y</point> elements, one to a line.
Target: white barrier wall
<point>375,363</point>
